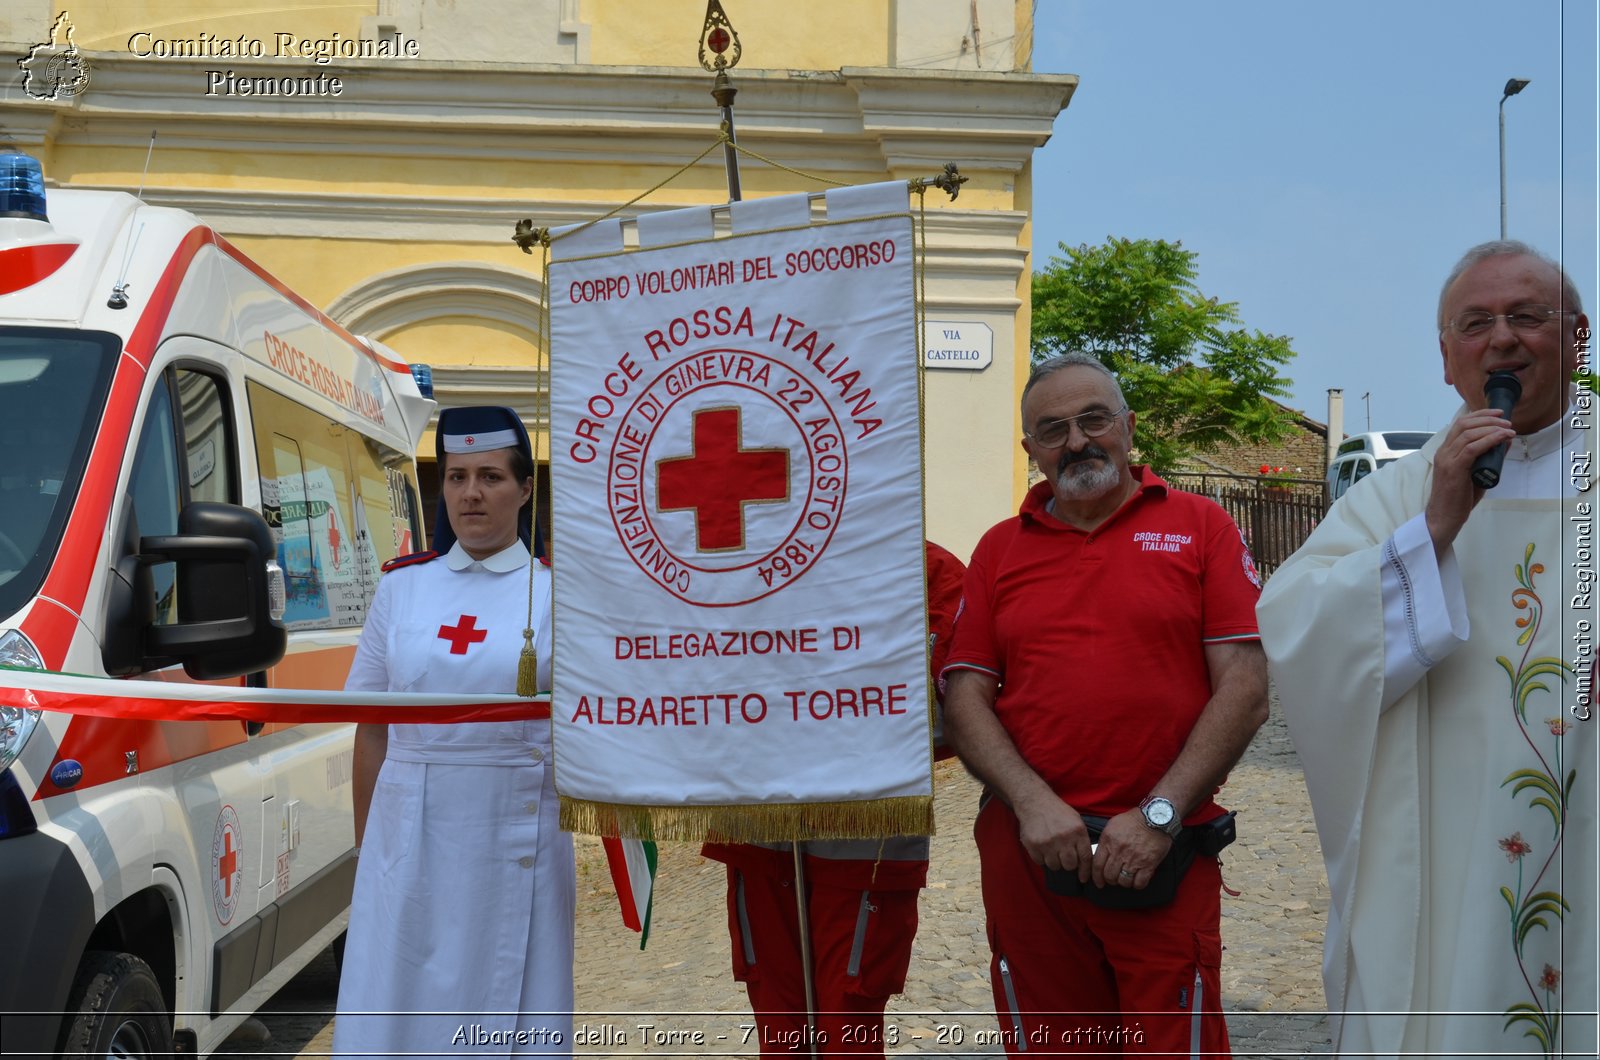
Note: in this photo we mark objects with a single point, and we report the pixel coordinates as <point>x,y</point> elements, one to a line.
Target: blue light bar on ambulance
<point>423,374</point>
<point>21,187</point>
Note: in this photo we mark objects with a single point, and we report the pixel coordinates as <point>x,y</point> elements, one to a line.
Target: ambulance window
<point>284,494</point>
<point>154,489</point>
<point>208,450</point>
<point>331,495</point>
<point>53,383</point>
<point>407,523</point>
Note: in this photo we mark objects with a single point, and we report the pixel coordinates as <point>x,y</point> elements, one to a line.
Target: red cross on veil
<point>719,478</point>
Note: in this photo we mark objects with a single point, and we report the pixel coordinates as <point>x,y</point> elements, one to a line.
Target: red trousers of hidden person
<point>863,918</point>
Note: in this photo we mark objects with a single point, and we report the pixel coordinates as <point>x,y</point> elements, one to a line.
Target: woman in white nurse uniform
<point>461,927</point>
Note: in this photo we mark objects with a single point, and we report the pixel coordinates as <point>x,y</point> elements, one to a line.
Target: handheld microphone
<point>1502,389</point>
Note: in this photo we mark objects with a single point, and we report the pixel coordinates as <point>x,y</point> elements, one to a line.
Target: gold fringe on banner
<point>764,823</point>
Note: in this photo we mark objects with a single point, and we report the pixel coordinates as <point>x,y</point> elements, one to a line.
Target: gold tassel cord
<point>763,823</point>
<point>787,169</point>
<point>718,142</point>
<point>528,662</point>
<point>919,267</point>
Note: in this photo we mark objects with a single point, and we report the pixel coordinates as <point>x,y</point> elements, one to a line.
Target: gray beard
<point>1083,482</point>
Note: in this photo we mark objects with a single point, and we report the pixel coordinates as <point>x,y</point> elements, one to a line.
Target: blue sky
<point>1329,162</point>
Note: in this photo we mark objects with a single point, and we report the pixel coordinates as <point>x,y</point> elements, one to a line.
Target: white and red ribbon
<point>160,701</point>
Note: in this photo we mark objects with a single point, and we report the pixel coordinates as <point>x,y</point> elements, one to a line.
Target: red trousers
<point>1071,978</point>
<point>863,918</point>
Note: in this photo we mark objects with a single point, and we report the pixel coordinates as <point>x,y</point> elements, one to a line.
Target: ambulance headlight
<point>16,722</point>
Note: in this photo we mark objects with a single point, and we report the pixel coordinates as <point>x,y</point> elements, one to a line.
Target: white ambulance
<point>200,475</point>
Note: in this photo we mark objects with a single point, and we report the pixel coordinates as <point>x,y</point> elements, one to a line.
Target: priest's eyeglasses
<point>1053,434</point>
<point>1475,323</point>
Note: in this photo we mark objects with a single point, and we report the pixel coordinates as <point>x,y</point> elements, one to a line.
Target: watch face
<point>1159,812</point>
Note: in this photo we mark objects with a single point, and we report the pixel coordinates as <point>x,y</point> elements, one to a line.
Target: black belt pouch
<point>1162,888</point>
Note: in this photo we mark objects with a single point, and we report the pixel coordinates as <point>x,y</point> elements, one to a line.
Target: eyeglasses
<point>1053,434</point>
<point>1477,322</point>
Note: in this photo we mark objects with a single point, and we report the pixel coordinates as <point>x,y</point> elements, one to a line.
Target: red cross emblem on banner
<point>719,478</point>
<point>463,634</point>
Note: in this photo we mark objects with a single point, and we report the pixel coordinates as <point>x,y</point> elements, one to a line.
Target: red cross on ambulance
<point>719,478</point>
<point>227,864</point>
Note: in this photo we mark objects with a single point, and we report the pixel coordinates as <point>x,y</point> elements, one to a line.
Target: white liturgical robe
<point>1437,704</point>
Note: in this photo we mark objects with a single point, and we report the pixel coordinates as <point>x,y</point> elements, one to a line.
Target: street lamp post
<point>1513,86</point>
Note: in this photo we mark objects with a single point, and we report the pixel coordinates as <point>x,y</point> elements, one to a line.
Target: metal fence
<point>1276,514</point>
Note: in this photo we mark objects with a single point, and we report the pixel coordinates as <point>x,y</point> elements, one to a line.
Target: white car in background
<point>1362,454</point>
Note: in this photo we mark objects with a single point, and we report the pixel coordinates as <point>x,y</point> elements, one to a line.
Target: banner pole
<point>722,91</point>
<point>805,948</point>
<point>719,53</point>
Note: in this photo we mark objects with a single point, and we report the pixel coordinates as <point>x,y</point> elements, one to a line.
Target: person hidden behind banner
<point>1105,662</point>
<point>1419,643</point>
<point>861,907</point>
<point>461,927</point>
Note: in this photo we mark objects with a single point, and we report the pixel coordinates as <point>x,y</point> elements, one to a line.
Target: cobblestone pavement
<point>655,1002</point>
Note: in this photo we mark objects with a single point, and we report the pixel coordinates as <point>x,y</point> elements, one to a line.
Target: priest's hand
<point>1454,494</point>
<point>1129,852</point>
<point>1054,834</point>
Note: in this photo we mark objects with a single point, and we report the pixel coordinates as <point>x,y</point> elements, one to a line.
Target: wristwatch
<point>1161,815</point>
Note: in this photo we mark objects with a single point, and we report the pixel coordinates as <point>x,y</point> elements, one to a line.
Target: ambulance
<point>200,476</point>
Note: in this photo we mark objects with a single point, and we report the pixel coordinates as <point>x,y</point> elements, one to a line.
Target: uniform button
<point>526,863</point>
<point>531,807</point>
<point>536,754</point>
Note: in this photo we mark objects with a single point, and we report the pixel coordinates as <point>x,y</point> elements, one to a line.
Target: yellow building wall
<point>774,35</point>
<point>320,270</point>
<point>453,340</point>
<point>109,25</point>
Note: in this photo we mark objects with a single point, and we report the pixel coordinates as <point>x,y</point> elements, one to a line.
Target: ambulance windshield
<point>53,386</point>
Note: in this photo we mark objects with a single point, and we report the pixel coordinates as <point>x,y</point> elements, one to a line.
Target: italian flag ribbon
<point>110,697</point>
<point>632,863</point>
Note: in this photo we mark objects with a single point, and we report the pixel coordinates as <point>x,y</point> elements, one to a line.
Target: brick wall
<point>1303,455</point>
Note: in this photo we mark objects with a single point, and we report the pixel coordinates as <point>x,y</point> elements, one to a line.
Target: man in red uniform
<point>861,907</point>
<point>1105,664</point>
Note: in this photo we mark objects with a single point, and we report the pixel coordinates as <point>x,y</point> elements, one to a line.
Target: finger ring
<point>1125,872</point>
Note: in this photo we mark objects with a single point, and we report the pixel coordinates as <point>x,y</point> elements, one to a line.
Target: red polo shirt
<point>1098,639</point>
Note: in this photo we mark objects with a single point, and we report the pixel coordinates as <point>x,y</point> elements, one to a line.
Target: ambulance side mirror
<point>225,617</point>
<point>226,622</point>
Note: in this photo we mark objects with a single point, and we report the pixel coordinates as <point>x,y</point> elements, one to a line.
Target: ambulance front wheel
<point>116,1010</point>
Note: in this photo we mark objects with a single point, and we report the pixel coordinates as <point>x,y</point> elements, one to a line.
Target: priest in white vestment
<point>1432,647</point>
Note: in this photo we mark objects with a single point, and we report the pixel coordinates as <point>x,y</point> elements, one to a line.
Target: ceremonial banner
<point>740,629</point>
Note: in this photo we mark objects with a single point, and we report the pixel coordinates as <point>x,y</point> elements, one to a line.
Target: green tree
<point>1197,380</point>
